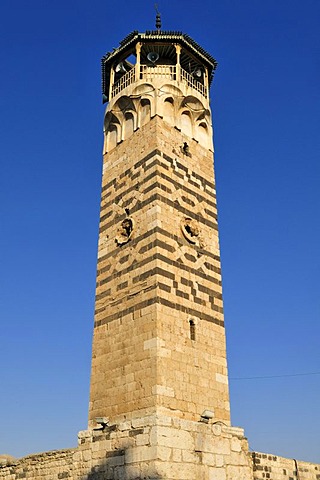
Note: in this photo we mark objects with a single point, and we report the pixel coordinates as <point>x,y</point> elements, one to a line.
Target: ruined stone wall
<point>55,465</point>
<point>266,466</point>
<point>156,447</point>
<point>159,448</point>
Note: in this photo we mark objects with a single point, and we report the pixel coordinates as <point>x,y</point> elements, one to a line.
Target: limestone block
<point>140,454</point>
<point>132,472</point>
<point>86,455</point>
<point>235,444</point>
<point>143,421</point>
<point>239,458</point>
<point>77,456</point>
<point>7,460</point>
<point>164,352</point>
<point>170,437</point>
<point>125,425</point>
<point>222,378</point>
<point>98,455</point>
<point>185,424</point>
<point>153,343</point>
<point>238,473</point>
<point>238,431</point>
<point>116,460</point>
<point>143,439</point>
<point>176,455</point>
<point>219,460</point>
<point>164,453</point>
<point>163,390</point>
<point>217,473</point>
<point>209,459</point>
<point>203,442</point>
<point>119,473</point>
<point>176,471</point>
<point>163,420</point>
<point>221,445</point>
<point>190,457</point>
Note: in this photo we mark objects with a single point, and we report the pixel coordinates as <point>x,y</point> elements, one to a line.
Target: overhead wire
<point>275,376</point>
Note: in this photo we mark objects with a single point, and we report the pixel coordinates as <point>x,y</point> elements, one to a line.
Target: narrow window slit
<point>192,330</point>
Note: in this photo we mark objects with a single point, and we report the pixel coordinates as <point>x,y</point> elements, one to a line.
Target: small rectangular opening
<point>192,330</point>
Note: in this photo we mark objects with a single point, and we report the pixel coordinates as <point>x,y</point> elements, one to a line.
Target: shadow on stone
<point>116,468</point>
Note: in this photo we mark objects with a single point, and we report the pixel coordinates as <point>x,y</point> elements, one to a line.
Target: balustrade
<point>163,71</point>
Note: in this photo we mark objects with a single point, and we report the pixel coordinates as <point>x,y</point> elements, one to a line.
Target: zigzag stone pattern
<point>159,281</point>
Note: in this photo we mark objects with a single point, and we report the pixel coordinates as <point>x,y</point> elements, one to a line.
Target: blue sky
<point>266,111</point>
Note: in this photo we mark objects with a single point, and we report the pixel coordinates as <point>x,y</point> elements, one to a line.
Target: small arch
<point>145,111</point>
<point>124,104</point>
<point>110,119</point>
<point>128,126</point>
<point>192,326</point>
<point>168,110</point>
<point>111,137</point>
<point>202,133</point>
<point>186,123</point>
<point>194,104</point>
<point>144,89</point>
<point>172,90</point>
<point>111,131</point>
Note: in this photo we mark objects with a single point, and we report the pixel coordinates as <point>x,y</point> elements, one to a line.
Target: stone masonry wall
<point>156,447</point>
<point>159,448</point>
<point>55,465</point>
<point>266,466</point>
<point>160,284</point>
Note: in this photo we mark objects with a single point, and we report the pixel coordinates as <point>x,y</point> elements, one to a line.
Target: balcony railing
<point>163,71</point>
<point>123,82</point>
<point>192,82</point>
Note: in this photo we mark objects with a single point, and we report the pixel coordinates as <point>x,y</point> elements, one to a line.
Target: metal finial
<point>158,18</point>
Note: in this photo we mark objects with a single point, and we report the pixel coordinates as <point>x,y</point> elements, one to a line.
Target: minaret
<point>159,337</point>
<point>159,381</point>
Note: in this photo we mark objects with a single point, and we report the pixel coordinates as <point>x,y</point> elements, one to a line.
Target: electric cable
<point>275,376</point>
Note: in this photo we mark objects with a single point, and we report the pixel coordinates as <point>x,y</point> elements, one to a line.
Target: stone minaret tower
<point>159,352</point>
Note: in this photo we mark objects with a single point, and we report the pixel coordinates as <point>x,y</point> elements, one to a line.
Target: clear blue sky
<point>266,110</point>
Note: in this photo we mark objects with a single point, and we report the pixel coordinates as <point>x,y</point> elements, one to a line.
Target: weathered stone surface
<point>7,460</point>
<point>164,451</point>
<point>159,336</point>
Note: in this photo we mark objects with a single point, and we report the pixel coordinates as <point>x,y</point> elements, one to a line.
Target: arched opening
<point>111,129</point>
<point>202,133</point>
<point>186,124</point>
<point>128,125</point>
<point>111,138</point>
<point>145,111</point>
<point>168,110</point>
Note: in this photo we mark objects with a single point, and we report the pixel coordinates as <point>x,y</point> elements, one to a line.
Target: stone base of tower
<point>157,447</point>
<point>160,447</point>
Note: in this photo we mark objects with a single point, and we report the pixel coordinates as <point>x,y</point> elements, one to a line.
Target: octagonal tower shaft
<point>159,337</point>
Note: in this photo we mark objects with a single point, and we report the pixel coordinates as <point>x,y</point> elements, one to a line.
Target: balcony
<point>170,72</point>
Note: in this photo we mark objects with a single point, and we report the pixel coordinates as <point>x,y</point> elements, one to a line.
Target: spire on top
<point>158,18</point>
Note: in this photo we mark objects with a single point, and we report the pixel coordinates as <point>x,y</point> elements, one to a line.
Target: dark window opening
<point>192,330</point>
